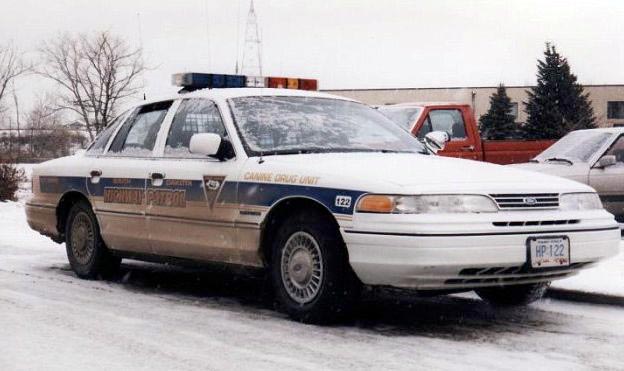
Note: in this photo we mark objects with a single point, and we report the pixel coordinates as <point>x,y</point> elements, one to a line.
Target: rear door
<point>609,182</point>
<point>184,217</point>
<point>450,120</point>
<point>118,177</point>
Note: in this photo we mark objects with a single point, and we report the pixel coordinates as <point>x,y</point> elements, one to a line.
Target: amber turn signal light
<point>376,204</point>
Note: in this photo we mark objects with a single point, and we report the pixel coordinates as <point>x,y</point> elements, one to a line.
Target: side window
<point>617,150</point>
<point>449,120</point>
<point>99,144</point>
<point>138,134</point>
<point>194,116</point>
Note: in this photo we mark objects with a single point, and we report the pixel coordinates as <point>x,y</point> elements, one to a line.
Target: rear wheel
<point>513,295</point>
<point>310,271</point>
<point>88,256</point>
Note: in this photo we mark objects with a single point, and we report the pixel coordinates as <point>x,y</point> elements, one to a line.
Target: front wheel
<point>310,271</point>
<point>513,295</point>
<point>88,256</point>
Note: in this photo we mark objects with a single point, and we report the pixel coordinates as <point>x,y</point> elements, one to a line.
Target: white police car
<point>323,191</point>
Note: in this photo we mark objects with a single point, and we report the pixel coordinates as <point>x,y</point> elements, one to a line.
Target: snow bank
<point>606,278</point>
<point>15,234</point>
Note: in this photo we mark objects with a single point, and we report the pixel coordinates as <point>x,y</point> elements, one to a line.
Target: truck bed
<point>513,151</point>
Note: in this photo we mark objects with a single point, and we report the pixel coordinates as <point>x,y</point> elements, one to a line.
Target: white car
<point>323,192</point>
<point>594,157</point>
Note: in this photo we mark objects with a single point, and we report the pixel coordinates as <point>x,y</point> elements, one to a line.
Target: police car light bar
<point>190,81</point>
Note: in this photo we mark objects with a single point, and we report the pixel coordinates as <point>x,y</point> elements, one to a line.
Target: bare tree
<point>96,72</point>
<point>12,65</point>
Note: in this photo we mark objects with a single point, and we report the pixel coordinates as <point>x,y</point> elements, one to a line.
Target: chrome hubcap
<point>302,267</point>
<point>82,238</point>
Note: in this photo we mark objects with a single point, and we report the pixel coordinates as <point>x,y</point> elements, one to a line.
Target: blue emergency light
<point>193,81</point>
<point>190,81</point>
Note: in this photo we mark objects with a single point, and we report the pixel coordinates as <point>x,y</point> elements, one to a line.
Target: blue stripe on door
<point>266,194</point>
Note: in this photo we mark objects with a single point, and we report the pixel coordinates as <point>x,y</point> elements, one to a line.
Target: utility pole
<point>252,50</point>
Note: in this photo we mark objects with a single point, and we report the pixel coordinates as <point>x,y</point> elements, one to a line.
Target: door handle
<point>157,179</point>
<point>468,148</point>
<point>95,176</point>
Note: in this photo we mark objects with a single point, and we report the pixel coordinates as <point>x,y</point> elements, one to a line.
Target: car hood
<point>409,173</point>
<point>578,171</point>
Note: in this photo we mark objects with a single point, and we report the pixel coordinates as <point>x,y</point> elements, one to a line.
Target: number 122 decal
<point>343,201</point>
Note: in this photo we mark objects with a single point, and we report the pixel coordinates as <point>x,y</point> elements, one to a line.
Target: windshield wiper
<point>534,160</point>
<point>328,150</point>
<point>561,159</point>
<point>394,151</point>
<point>290,152</point>
<point>382,150</point>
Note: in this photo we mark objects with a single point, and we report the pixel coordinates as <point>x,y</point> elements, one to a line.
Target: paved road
<point>159,317</point>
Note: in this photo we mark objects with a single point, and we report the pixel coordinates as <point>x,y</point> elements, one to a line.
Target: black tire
<point>88,257</point>
<point>338,288</point>
<point>515,295</point>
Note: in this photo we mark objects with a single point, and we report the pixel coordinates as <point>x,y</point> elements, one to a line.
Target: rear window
<point>99,144</point>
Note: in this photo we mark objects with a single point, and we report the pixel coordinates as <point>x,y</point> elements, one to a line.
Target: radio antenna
<point>141,47</point>
<point>237,36</point>
<point>208,46</point>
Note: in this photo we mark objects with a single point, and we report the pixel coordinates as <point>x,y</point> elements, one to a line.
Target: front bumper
<point>471,258</point>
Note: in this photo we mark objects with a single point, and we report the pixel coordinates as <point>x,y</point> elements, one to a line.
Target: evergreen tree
<point>557,104</point>
<point>498,122</point>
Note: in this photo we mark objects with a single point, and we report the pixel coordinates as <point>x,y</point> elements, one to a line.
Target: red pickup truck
<point>459,122</point>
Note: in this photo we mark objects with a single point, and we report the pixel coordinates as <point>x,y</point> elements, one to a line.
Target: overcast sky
<point>345,44</point>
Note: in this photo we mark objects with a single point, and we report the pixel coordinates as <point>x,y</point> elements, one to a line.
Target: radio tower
<point>252,50</point>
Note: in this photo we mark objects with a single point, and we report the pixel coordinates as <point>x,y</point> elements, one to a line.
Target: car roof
<point>227,93</point>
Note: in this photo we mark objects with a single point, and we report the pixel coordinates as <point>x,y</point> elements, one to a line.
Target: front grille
<point>536,222</point>
<point>516,274</point>
<point>526,201</point>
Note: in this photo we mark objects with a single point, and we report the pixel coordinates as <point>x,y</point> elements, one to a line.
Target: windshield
<point>404,116</point>
<point>281,125</point>
<point>578,146</point>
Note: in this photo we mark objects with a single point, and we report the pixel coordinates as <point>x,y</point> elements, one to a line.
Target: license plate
<point>547,252</point>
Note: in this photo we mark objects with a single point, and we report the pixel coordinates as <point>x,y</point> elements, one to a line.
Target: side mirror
<point>436,141</point>
<point>213,145</point>
<point>606,161</point>
<point>206,144</point>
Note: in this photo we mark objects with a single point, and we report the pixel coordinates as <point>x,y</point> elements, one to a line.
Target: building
<point>607,100</point>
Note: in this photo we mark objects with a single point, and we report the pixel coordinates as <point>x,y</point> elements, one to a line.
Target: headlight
<point>426,204</point>
<point>579,201</point>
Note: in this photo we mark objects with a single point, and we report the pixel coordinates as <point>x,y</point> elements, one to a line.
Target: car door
<point>118,177</point>
<point>609,181</point>
<point>451,121</point>
<point>184,217</point>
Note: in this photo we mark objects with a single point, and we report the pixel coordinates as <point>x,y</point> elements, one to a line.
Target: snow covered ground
<point>607,278</point>
<point>161,317</point>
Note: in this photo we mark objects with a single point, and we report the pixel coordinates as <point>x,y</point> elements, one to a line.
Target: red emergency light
<point>193,81</point>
